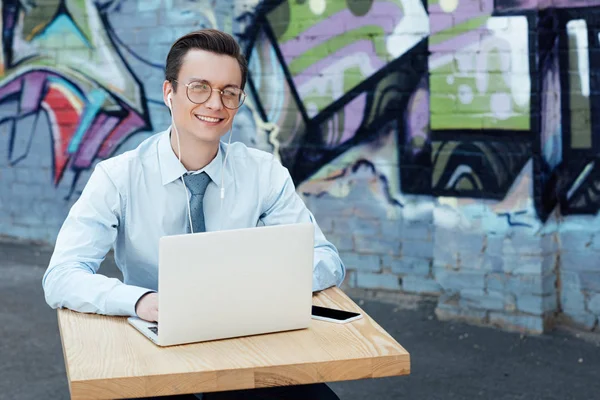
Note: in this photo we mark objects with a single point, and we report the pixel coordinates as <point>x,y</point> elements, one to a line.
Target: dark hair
<point>211,40</point>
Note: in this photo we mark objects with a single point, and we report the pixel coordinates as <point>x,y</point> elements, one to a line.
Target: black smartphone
<point>334,315</point>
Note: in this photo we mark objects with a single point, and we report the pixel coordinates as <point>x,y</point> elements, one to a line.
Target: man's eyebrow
<point>198,80</point>
<point>193,79</point>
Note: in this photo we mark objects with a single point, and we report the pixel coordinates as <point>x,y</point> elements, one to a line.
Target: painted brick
<point>41,209</point>
<point>329,205</point>
<point>24,191</point>
<point>417,230</point>
<point>392,228</point>
<point>410,266</point>
<point>444,257</point>
<point>579,261</point>
<point>492,263</point>
<point>350,279</point>
<point>510,302</point>
<point>480,299</point>
<point>28,219</point>
<point>415,210</point>
<point>523,323</point>
<point>572,301</point>
<point>519,243</point>
<point>531,284</point>
<point>470,243</point>
<point>15,207</point>
<point>449,299</point>
<point>550,243</point>
<point>23,232</point>
<point>575,240</point>
<point>595,243</point>
<point>360,226</point>
<point>368,280</point>
<point>584,319</point>
<point>494,245</point>
<point>511,262</point>
<point>361,262</point>
<point>325,223</point>
<point>370,209</point>
<point>8,175</point>
<point>570,280</point>
<point>421,285</point>
<point>537,305</point>
<point>530,264</point>
<point>455,281</point>
<point>387,260</point>
<point>27,175</point>
<point>342,243</point>
<point>459,241</point>
<point>591,280</point>
<point>550,264</point>
<point>594,304</point>
<point>468,260</point>
<point>47,233</point>
<point>369,244</point>
<point>417,249</point>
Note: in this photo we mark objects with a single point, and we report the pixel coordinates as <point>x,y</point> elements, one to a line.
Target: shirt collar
<point>171,169</point>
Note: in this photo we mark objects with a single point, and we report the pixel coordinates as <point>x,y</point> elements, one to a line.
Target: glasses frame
<point>187,93</point>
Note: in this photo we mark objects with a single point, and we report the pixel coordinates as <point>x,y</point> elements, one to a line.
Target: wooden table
<point>106,358</point>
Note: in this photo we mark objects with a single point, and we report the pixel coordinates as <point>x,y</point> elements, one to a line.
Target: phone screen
<point>339,315</point>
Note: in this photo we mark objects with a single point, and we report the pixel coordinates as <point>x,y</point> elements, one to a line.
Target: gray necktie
<point>197,184</point>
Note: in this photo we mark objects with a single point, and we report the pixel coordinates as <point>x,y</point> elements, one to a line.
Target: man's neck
<point>195,154</point>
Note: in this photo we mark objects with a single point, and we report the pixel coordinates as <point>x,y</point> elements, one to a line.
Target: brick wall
<point>446,149</point>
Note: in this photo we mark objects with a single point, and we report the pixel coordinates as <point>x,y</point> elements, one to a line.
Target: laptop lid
<point>215,285</point>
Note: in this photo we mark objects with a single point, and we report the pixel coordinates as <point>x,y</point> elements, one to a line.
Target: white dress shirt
<point>133,199</point>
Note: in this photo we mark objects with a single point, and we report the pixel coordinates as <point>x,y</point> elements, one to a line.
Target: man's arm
<point>285,206</point>
<point>83,241</point>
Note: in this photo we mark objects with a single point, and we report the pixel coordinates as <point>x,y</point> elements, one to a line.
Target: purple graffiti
<point>384,15</point>
<point>440,20</point>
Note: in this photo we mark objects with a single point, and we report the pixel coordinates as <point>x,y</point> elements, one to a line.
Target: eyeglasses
<point>200,92</point>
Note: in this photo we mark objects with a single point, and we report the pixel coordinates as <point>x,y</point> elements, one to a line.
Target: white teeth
<point>207,119</point>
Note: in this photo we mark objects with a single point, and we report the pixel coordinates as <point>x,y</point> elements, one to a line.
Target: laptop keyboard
<point>154,329</point>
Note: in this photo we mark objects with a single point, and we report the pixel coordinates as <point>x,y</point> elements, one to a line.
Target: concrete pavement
<point>450,360</point>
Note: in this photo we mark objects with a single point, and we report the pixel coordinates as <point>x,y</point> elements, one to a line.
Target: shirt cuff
<point>123,298</point>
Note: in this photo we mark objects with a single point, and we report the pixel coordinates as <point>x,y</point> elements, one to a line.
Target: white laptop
<point>224,284</point>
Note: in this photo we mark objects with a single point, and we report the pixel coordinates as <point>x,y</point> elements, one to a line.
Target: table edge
<point>201,381</point>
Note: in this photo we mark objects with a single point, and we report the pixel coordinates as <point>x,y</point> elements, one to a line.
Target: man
<point>133,199</point>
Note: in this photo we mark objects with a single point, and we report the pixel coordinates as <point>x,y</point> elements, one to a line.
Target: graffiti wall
<point>447,147</point>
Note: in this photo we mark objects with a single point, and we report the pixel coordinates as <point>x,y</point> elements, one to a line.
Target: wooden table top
<point>106,358</point>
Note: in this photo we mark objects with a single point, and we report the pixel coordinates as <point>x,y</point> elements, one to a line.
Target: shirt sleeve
<point>284,206</point>
<point>89,231</point>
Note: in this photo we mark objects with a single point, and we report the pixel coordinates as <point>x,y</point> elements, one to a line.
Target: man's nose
<point>214,102</point>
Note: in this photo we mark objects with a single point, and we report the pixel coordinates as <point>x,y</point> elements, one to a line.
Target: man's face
<point>203,70</point>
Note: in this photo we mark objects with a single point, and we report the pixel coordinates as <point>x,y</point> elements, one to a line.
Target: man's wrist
<point>140,299</point>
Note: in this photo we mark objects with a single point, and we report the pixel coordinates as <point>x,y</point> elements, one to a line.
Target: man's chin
<point>208,136</point>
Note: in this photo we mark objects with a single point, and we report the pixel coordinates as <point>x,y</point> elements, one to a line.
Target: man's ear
<point>168,90</point>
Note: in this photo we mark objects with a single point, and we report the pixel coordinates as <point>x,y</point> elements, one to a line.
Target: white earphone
<point>183,182</point>
<point>179,156</point>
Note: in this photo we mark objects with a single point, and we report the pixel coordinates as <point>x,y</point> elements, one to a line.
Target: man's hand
<point>147,307</point>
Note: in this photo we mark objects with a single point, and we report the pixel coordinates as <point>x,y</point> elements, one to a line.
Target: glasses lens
<point>199,92</point>
<point>232,97</point>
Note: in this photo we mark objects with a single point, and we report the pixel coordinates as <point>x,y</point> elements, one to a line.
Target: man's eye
<point>230,93</point>
<point>200,87</point>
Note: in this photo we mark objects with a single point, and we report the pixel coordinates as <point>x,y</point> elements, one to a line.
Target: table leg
<point>317,391</point>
